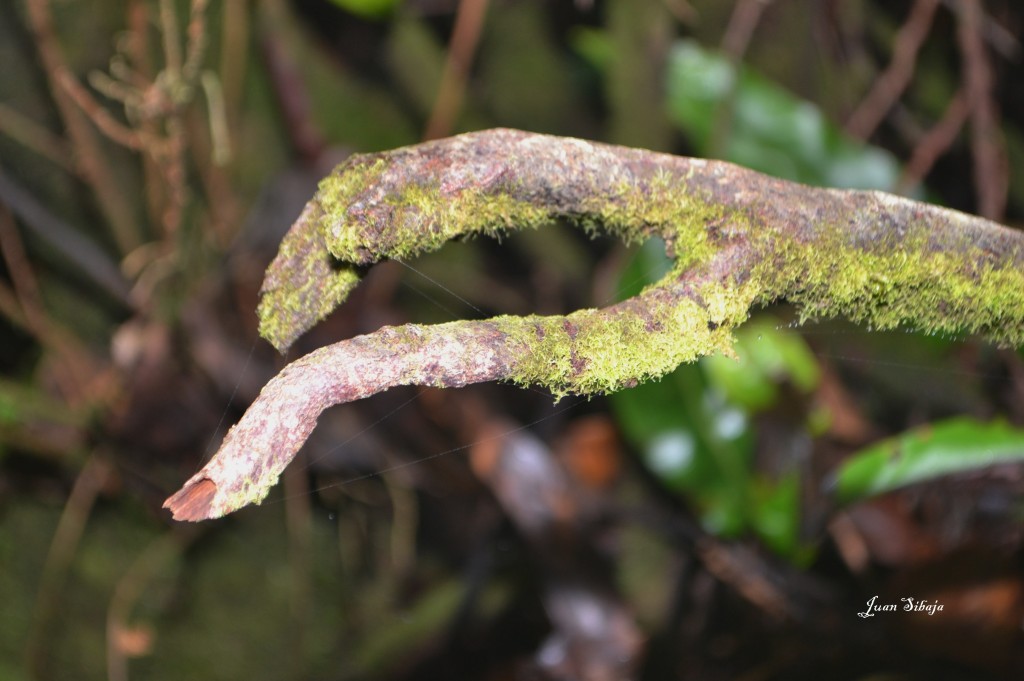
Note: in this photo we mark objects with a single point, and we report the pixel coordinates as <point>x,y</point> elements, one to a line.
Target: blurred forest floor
<point>154,152</point>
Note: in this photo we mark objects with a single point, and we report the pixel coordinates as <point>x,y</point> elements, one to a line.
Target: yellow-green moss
<point>883,284</point>
<point>336,192</point>
<point>317,297</point>
<point>303,284</point>
<point>910,283</point>
<point>429,219</point>
<point>663,207</point>
<point>421,217</point>
<point>586,351</point>
<point>250,491</point>
<point>592,351</point>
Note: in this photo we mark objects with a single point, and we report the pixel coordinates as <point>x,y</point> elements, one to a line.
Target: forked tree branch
<point>739,239</point>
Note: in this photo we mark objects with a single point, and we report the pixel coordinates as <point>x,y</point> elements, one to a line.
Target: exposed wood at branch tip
<point>193,501</point>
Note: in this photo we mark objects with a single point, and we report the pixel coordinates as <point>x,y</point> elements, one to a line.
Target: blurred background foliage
<point>726,522</point>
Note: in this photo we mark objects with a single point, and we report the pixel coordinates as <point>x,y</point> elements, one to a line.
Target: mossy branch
<point>739,239</point>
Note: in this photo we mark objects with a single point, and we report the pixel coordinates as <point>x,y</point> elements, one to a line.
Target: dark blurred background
<point>727,522</point>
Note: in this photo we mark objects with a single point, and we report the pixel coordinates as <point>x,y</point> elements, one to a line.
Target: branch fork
<point>739,239</point>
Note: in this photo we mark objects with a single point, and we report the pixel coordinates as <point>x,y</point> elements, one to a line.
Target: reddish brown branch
<point>257,449</point>
<point>740,238</point>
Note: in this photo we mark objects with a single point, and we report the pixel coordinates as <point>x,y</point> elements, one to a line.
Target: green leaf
<point>954,446</point>
<point>647,266</point>
<point>770,130</point>
<point>419,624</point>
<point>370,9</point>
<point>693,427</point>
<point>765,356</point>
<point>23,403</point>
<point>594,45</point>
<point>694,442</point>
<point>777,516</point>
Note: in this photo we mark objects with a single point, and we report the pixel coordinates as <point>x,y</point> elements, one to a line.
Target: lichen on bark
<point>739,239</point>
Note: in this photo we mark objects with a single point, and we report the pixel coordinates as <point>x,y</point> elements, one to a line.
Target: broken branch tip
<point>192,503</point>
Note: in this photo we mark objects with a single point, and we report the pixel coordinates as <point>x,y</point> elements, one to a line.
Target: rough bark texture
<point>739,239</point>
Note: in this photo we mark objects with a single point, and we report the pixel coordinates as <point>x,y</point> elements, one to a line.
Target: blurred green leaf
<point>766,356</point>
<point>418,625</point>
<point>523,78</point>
<point>693,427</point>
<point>771,131</point>
<point>415,58</point>
<point>21,403</point>
<point>777,519</point>
<point>953,446</point>
<point>693,441</point>
<point>371,9</point>
<point>648,265</point>
<point>640,33</point>
<point>594,45</point>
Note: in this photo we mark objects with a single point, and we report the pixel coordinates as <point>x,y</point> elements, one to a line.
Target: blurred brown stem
<point>64,239</point>
<point>34,136</point>
<point>75,377</point>
<point>894,80</point>
<point>66,537</point>
<point>935,143</point>
<point>991,171</point>
<point>738,33</point>
<point>289,86</point>
<point>87,151</point>
<point>130,588</point>
<point>469,21</point>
